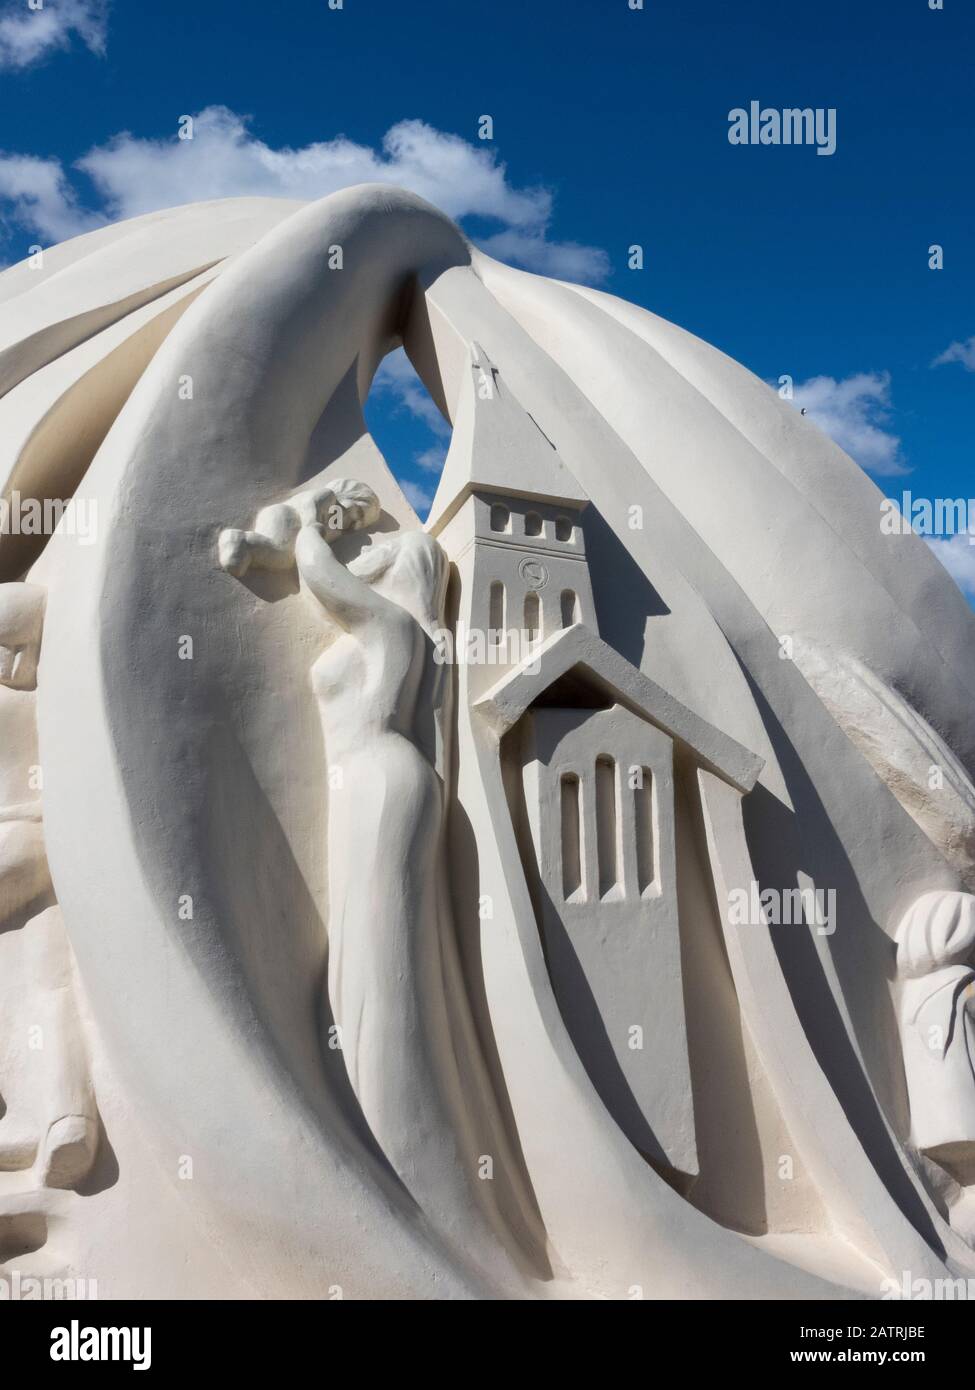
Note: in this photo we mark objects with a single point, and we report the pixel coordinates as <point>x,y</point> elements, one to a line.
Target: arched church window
<point>533,617</point>
<point>646,870</point>
<point>496,612</point>
<point>572,859</point>
<point>607,829</point>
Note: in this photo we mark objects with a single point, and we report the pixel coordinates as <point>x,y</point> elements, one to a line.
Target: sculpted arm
<point>346,505</point>
<point>344,596</point>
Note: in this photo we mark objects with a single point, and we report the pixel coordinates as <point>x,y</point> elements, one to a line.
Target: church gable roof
<point>579,654</point>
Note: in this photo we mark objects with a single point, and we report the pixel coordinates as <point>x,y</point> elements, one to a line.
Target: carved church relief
<point>504,880</point>
<point>599,796</point>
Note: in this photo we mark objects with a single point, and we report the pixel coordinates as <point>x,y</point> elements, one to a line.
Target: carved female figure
<point>380,695</point>
<point>385,813</point>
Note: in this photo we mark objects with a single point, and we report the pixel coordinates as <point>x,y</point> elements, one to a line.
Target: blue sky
<point>611,128</point>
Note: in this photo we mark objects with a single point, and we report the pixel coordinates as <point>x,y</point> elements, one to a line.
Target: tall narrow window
<point>500,518</point>
<point>496,614</point>
<point>646,871</point>
<point>533,524</point>
<point>607,833</point>
<point>571,612</point>
<point>571,835</point>
<point>533,620</point>
<point>563,528</point>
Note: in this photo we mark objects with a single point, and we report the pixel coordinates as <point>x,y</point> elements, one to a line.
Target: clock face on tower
<point>534,573</point>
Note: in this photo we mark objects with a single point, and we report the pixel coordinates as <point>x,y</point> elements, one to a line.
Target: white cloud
<point>35,193</point>
<point>418,497</point>
<point>565,260</point>
<point>224,160</point>
<point>958,557</point>
<point>29,35</point>
<point>854,412</point>
<point>133,175</point>
<point>958,352</point>
<point>432,460</point>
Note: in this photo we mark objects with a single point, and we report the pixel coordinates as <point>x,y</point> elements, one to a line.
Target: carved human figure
<point>385,827</point>
<point>60,1087</point>
<point>341,505</point>
<point>936,962</point>
<point>380,694</point>
<point>394,983</point>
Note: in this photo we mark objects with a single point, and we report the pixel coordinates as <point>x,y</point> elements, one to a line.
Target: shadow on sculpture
<point>281,946</point>
<point>468,1003</point>
<point>731,1186</point>
<point>625,599</point>
<point>769,821</point>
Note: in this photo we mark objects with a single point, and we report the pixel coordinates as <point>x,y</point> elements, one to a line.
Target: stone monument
<point>567,897</point>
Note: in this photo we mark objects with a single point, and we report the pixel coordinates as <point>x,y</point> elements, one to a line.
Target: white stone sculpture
<point>342,505</point>
<point>388,887</point>
<point>936,960</point>
<point>936,964</point>
<point>50,1127</point>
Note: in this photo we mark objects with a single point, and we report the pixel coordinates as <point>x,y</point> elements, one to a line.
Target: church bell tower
<point>508,514</point>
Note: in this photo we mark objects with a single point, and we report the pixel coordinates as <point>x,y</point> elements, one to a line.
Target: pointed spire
<point>498,447</point>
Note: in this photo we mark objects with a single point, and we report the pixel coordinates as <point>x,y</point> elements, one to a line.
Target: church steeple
<point>507,512</point>
<point>498,447</point>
